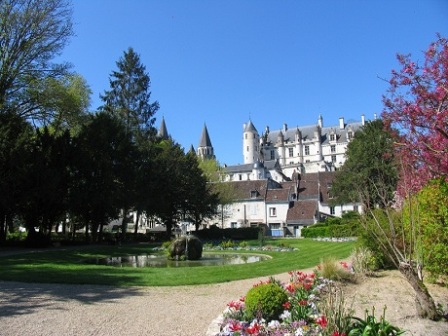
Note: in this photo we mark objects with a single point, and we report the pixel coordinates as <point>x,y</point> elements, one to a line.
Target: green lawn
<point>69,266</point>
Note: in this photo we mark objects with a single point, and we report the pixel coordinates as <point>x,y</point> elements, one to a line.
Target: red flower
<point>235,326</point>
<point>322,321</point>
<point>337,333</point>
<point>290,287</point>
<point>287,305</point>
<point>253,329</point>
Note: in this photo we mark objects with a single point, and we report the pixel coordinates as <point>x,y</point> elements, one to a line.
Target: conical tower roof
<point>163,132</point>
<point>205,138</point>
<point>250,127</point>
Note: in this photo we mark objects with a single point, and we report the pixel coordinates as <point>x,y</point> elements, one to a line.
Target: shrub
<point>332,269</point>
<point>243,244</point>
<point>364,261</point>
<point>265,300</point>
<point>226,244</point>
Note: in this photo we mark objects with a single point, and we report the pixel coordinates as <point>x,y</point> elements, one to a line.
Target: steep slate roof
<point>205,138</point>
<point>247,168</point>
<point>302,212</point>
<point>163,132</point>
<point>250,127</point>
<point>277,195</point>
<point>308,187</point>
<point>308,132</point>
<point>243,189</point>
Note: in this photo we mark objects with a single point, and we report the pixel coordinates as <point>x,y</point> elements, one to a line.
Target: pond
<point>157,260</point>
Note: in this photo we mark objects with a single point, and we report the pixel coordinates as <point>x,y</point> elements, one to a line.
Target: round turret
<point>251,141</point>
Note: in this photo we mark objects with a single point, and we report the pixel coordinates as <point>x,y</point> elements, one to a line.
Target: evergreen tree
<point>369,174</point>
<point>129,96</point>
<point>15,141</point>
<point>101,172</point>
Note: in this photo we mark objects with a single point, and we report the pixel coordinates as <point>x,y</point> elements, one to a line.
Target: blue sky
<point>221,63</point>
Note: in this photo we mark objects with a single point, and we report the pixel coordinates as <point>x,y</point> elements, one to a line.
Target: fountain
<point>186,247</point>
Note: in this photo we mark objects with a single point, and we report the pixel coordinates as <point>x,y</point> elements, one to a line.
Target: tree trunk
<point>425,305</point>
<point>2,227</point>
<point>124,225</point>
<point>136,224</point>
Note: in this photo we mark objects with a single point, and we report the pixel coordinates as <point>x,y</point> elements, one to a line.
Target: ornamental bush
<point>265,300</point>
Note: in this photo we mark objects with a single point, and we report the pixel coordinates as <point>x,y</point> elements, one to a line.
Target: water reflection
<point>152,260</point>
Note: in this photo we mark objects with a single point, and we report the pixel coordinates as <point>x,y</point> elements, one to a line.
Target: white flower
<point>273,324</point>
<point>285,315</point>
<point>299,332</point>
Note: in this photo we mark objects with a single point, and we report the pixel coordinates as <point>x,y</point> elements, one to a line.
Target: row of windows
<point>307,150</point>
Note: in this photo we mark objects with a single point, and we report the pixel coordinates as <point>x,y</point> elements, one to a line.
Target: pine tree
<point>129,96</point>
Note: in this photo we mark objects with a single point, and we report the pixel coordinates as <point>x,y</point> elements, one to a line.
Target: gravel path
<point>29,309</point>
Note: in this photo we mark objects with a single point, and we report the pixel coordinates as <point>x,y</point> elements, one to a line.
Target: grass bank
<point>69,266</point>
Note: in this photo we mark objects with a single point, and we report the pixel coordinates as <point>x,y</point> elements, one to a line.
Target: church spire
<point>163,132</point>
<point>205,148</point>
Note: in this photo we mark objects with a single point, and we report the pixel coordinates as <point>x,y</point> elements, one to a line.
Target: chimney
<point>374,116</point>
<point>285,128</point>
<point>341,123</point>
<point>363,119</point>
<point>320,121</point>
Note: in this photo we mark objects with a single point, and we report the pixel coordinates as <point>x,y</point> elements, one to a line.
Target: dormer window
<point>332,137</point>
<point>253,194</point>
<point>350,135</point>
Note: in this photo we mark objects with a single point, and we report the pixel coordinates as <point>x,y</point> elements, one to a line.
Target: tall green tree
<point>129,101</point>
<point>224,191</point>
<point>33,32</point>
<point>63,101</point>
<point>200,198</point>
<point>44,202</point>
<point>103,151</point>
<point>129,96</point>
<point>170,199</point>
<point>369,174</point>
<point>15,141</point>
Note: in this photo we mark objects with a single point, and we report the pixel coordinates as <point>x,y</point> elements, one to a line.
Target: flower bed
<point>301,312</point>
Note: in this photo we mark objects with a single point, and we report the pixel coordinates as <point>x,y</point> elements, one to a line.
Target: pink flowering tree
<point>416,104</point>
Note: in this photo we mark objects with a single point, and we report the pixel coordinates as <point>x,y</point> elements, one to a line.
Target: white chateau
<point>281,153</point>
<point>285,182</point>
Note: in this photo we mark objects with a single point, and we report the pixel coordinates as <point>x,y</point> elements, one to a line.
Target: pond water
<point>154,260</point>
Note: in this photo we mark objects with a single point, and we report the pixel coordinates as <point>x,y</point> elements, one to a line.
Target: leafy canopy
<point>417,104</point>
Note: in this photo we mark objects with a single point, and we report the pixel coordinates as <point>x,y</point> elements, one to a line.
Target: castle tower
<point>251,141</point>
<point>205,148</point>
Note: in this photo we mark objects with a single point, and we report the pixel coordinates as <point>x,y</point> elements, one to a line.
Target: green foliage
<point>370,326</point>
<point>166,244</point>
<point>265,300</point>
<point>226,244</point>
<point>347,226</point>
<point>364,261</point>
<point>243,244</point>
<point>377,235</point>
<point>33,33</point>
<point>428,215</point>
<point>129,96</point>
<point>370,179</point>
